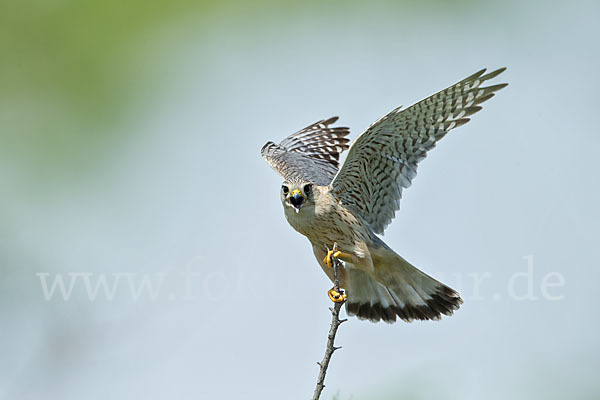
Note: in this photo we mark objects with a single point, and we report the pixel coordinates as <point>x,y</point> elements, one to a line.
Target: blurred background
<point>143,248</point>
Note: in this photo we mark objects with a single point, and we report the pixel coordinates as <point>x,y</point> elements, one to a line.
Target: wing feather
<point>311,154</point>
<point>383,160</point>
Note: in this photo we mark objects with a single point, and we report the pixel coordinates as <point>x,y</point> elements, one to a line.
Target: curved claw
<point>329,257</point>
<point>336,296</point>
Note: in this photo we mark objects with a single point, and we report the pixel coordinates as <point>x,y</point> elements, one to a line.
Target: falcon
<point>350,205</point>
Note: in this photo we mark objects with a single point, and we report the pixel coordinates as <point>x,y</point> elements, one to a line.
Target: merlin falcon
<point>352,204</point>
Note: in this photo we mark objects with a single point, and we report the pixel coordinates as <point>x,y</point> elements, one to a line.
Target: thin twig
<point>335,323</point>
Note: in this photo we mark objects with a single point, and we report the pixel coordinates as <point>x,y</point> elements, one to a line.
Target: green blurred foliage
<point>70,46</point>
<point>67,69</point>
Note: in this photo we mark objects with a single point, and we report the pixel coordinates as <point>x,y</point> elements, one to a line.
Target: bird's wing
<point>311,154</point>
<point>383,160</point>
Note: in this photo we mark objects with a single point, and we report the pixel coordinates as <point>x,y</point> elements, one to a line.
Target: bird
<point>349,205</point>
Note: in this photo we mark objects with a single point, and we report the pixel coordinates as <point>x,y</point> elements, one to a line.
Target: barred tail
<point>396,288</point>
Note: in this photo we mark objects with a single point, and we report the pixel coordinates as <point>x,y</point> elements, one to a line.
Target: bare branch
<point>335,323</point>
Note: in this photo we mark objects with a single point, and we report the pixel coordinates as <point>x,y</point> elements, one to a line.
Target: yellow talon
<point>330,254</point>
<point>335,296</point>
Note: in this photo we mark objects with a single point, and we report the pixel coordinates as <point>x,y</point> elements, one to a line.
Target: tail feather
<point>398,289</point>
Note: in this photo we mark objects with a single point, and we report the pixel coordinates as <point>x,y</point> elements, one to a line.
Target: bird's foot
<point>329,257</point>
<point>336,296</point>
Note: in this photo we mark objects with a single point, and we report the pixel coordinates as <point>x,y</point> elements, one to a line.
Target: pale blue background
<point>172,176</point>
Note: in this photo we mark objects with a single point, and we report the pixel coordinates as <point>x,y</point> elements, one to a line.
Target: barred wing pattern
<point>311,154</point>
<point>383,160</point>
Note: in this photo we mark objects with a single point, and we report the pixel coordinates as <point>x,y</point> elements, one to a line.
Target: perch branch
<point>335,324</point>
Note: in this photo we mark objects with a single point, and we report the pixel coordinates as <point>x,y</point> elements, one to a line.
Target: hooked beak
<point>296,199</point>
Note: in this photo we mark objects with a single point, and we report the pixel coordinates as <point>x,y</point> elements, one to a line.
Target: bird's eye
<point>285,189</point>
<point>308,189</point>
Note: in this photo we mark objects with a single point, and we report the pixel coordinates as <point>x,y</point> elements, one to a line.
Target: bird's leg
<point>332,260</point>
<point>329,257</point>
<point>336,296</point>
<point>328,260</point>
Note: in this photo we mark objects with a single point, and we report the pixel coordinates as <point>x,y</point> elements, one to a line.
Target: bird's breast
<point>326,223</point>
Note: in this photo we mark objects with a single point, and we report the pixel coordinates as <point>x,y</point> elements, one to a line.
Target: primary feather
<point>383,160</point>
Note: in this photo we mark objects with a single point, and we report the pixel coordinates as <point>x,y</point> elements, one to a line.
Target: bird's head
<point>297,194</point>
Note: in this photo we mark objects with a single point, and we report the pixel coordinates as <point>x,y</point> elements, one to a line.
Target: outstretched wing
<point>383,160</point>
<point>311,154</point>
